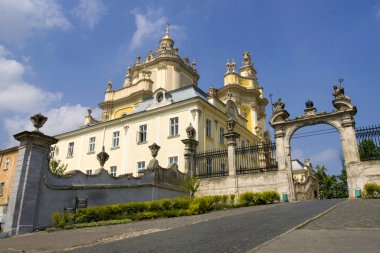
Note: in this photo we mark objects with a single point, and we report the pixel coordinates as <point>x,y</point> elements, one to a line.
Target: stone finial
<point>231,124</point>
<point>278,105</point>
<point>167,28</point>
<point>247,59</point>
<point>138,58</point>
<point>228,66</point>
<point>233,65</point>
<point>190,131</point>
<point>194,65</point>
<point>186,59</point>
<point>38,121</point>
<point>89,111</point>
<point>309,104</point>
<point>102,157</point>
<point>338,92</point>
<point>154,148</point>
<point>109,85</point>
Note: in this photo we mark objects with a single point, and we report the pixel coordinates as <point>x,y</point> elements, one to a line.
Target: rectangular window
<point>70,150</point>
<point>140,166</point>
<point>243,143</point>
<point>141,134</point>
<point>174,126</point>
<point>1,188</point>
<point>115,139</point>
<point>7,162</point>
<point>221,135</point>
<point>173,160</point>
<point>208,166</point>
<point>89,172</point>
<point>208,127</point>
<point>91,145</point>
<point>113,171</point>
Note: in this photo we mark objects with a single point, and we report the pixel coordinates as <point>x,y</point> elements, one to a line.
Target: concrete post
<point>231,152</point>
<point>32,162</point>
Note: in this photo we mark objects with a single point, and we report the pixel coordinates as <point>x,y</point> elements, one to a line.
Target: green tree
<point>191,185</point>
<point>330,187</point>
<point>57,168</point>
<point>368,150</point>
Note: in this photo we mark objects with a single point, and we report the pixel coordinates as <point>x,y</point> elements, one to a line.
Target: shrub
<point>232,199</point>
<point>371,191</point>
<point>182,203</point>
<point>154,205</point>
<point>60,220</point>
<point>270,197</point>
<point>251,199</point>
<point>166,204</point>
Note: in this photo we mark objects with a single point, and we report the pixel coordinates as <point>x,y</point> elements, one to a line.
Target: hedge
<point>164,208</point>
<point>371,191</point>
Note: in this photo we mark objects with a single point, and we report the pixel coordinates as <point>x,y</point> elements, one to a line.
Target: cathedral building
<point>158,100</point>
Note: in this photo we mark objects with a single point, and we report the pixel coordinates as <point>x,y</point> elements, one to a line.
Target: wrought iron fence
<point>368,139</point>
<point>256,158</point>
<point>211,163</point>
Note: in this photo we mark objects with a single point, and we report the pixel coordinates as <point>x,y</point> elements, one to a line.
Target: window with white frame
<point>7,162</point>
<point>113,171</point>
<point>141,134</point>
<point>89,172</point>
<point>115,139</point>
<point>1,188</point>
<point>91,145</point>
<point>173,160</point>
<point>173,126</point>
<point>208,166</point>
<point>208,127</point>
<point>140,165</point>
<point>221,135</point>
<point>70,150</point>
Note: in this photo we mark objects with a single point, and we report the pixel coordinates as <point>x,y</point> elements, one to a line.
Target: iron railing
<point>211,163</point>
<point>256,158</point>
<point>368,139</point>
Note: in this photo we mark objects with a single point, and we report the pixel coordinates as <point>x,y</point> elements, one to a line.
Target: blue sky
<point>57,56</point>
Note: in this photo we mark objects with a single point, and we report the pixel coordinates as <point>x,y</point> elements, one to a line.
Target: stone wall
<point>37,193</point>
<point>256,182</point>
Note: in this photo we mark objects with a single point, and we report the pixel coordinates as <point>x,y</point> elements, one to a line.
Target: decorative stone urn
<point>102,157</point>
<point>38,121</point>
<point>154,148</point>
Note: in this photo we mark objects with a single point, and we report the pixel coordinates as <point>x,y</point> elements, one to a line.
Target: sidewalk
<point>353,226</point>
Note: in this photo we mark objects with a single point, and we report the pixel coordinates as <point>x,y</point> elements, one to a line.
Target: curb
<point>296,227</point>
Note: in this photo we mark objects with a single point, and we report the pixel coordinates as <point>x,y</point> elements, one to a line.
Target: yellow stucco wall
<point>6,175</point>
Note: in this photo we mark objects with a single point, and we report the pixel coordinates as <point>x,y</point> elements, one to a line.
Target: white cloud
<point>322,157</point>
<point>377,15</point>
<point>90,12</point>
<point>21,18</point>
<point>325,156</point>
<point>60,120</point>
<point>148,25</point>
<point>20,99</point>
<point>16,95</point>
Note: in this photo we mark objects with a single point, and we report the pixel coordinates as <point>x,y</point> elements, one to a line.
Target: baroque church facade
<point>158,100</point>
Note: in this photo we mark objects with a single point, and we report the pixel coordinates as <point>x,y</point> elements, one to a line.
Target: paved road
<point>351,227</point>
<point>237,233</point>
<point>234,230</point>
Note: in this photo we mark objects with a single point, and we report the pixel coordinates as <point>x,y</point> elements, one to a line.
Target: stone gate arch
<point>341,118</point>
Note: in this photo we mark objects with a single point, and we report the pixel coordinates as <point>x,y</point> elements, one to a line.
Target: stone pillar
<point>190,148</point>
<point>231,151</point>
<point>32,162</point>
<point>355,176</point>
<point>231,137</point>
